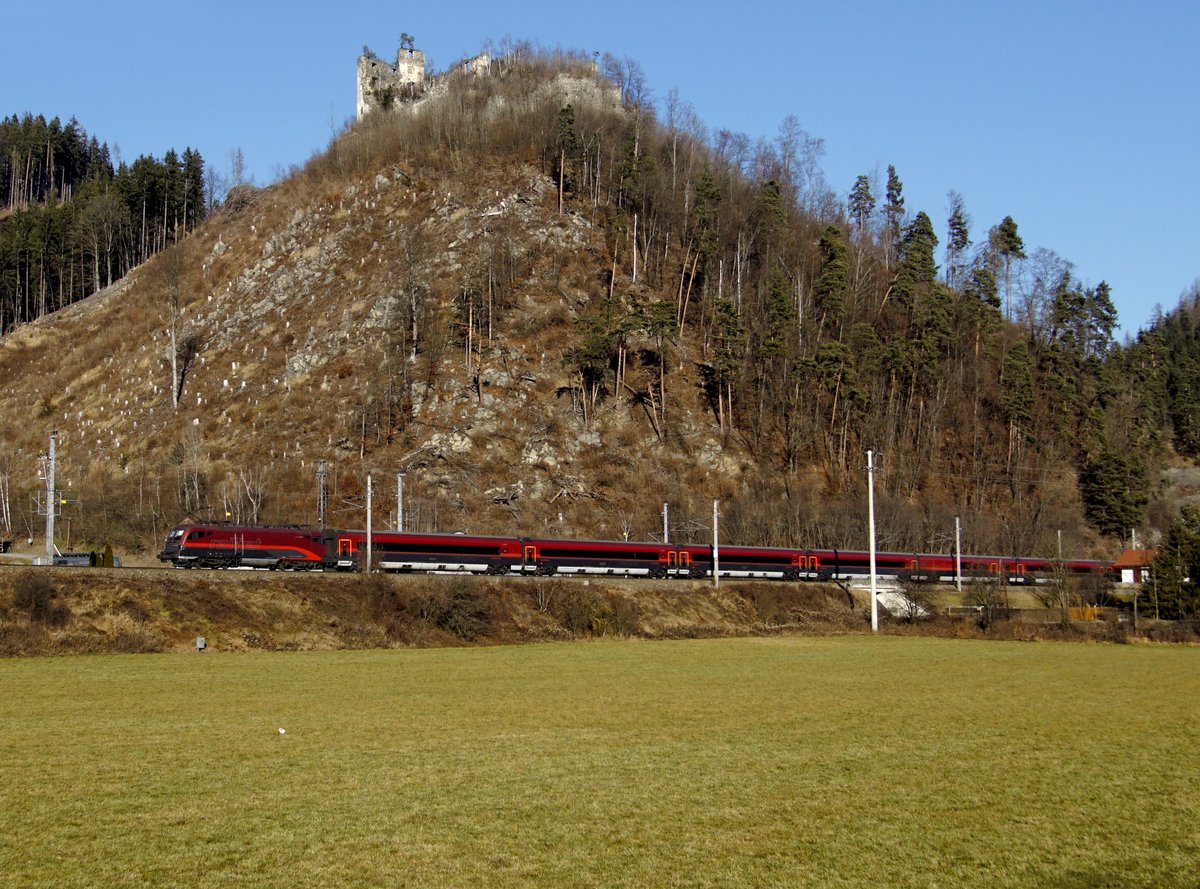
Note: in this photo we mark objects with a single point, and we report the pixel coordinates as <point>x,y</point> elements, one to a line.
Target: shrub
<point>131,636</point>
<point>467,615</point>
<point>624,615</point>
<point>379,595</point>
<point>580,609</point>
<point>35,594</point>
<point>454,606</point>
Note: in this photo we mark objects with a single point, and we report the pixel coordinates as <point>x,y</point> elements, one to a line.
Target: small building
<point>1133,565</point>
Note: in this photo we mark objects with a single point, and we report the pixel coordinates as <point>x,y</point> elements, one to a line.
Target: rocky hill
<point>553,315</point>
<point>300,306</point>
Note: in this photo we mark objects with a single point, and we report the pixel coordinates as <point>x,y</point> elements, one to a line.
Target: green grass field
<point>849,761</point>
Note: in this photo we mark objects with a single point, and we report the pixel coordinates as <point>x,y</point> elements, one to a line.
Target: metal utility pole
<point>958,553</point>
<point>368,569</point>
<point>871,527</point>
<point>1062,584</point>
<point>666,526</point>
<point>716,550</point>
<point>400,501</point>
<point>322,497</point>
<point>51,499</point>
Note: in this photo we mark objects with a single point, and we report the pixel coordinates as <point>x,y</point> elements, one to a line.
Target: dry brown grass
<point>65,611</point>
<point>125,610</point>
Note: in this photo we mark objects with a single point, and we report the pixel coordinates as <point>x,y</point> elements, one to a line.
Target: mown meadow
<point>844,761</point>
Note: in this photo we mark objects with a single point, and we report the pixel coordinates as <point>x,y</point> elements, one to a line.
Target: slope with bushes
<point>555,313</point>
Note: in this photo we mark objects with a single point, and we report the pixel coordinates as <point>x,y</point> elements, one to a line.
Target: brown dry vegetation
<point>73,611</point>
<point>63,611</point>
<point>302,301</point>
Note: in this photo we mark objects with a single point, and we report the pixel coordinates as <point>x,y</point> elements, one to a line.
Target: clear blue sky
<point>1078,119</point>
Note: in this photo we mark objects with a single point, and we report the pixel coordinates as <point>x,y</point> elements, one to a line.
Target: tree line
<point>71,222</point>
<point>808,323</point>
<point>820,322</point>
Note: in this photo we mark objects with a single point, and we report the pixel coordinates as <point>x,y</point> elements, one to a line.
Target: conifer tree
<point>861,204</point>
<point>917,268</point>
<point>568,146</point>
<point>1007,244</point>
<point>831,285</point>
<point>958,239</point>
<point>1016,396</point>
<point>893,214</point>
<point>1115,493</point>
<point>1174,586</point>
<point>728,334</point>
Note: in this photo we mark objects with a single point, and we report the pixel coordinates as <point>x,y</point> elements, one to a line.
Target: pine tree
<point>832,284</point>
<point>893,214</point>
<point>861,204</point>
<point>917,268</point>
<point>1016,396</point>
<point>958,239</point>
<point>568,146</point>
<point>1173,590</point>
<point>1115,492</point>
<point>1008,246</point>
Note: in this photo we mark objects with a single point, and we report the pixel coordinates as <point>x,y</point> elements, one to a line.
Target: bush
<point>379,595</point>
<point>34,593</point>
<point>624,616</point>
<point>131,636</point>
<point>467,615</point>
<point>454,606</point>
<point>580,609</point>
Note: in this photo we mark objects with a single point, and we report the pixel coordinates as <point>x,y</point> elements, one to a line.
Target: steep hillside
<point>300,305</point>
<point>553,315</point>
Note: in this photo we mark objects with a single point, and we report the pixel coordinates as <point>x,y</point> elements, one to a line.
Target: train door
<point>345,552</point>
<point>685,563</point>
<point>529,559</point>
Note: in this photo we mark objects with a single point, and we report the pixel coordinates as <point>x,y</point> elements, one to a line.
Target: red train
<point>232,546</point>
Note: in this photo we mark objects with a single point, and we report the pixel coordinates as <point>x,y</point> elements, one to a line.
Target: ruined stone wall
<point>378,80</point>
<point>381,83</point>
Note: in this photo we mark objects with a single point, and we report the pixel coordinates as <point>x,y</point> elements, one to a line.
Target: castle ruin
<point>407,83</point>
<point>381,84</point>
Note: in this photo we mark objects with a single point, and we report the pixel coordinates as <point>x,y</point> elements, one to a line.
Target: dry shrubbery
<point>807,606</point>
<point>455,606</point>
<point>583,610</point>
<point>35,594</point>
<point>40,622</point>
<point>129,635</point>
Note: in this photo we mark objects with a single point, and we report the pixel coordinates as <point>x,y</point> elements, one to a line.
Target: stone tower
<point>381,84</point>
